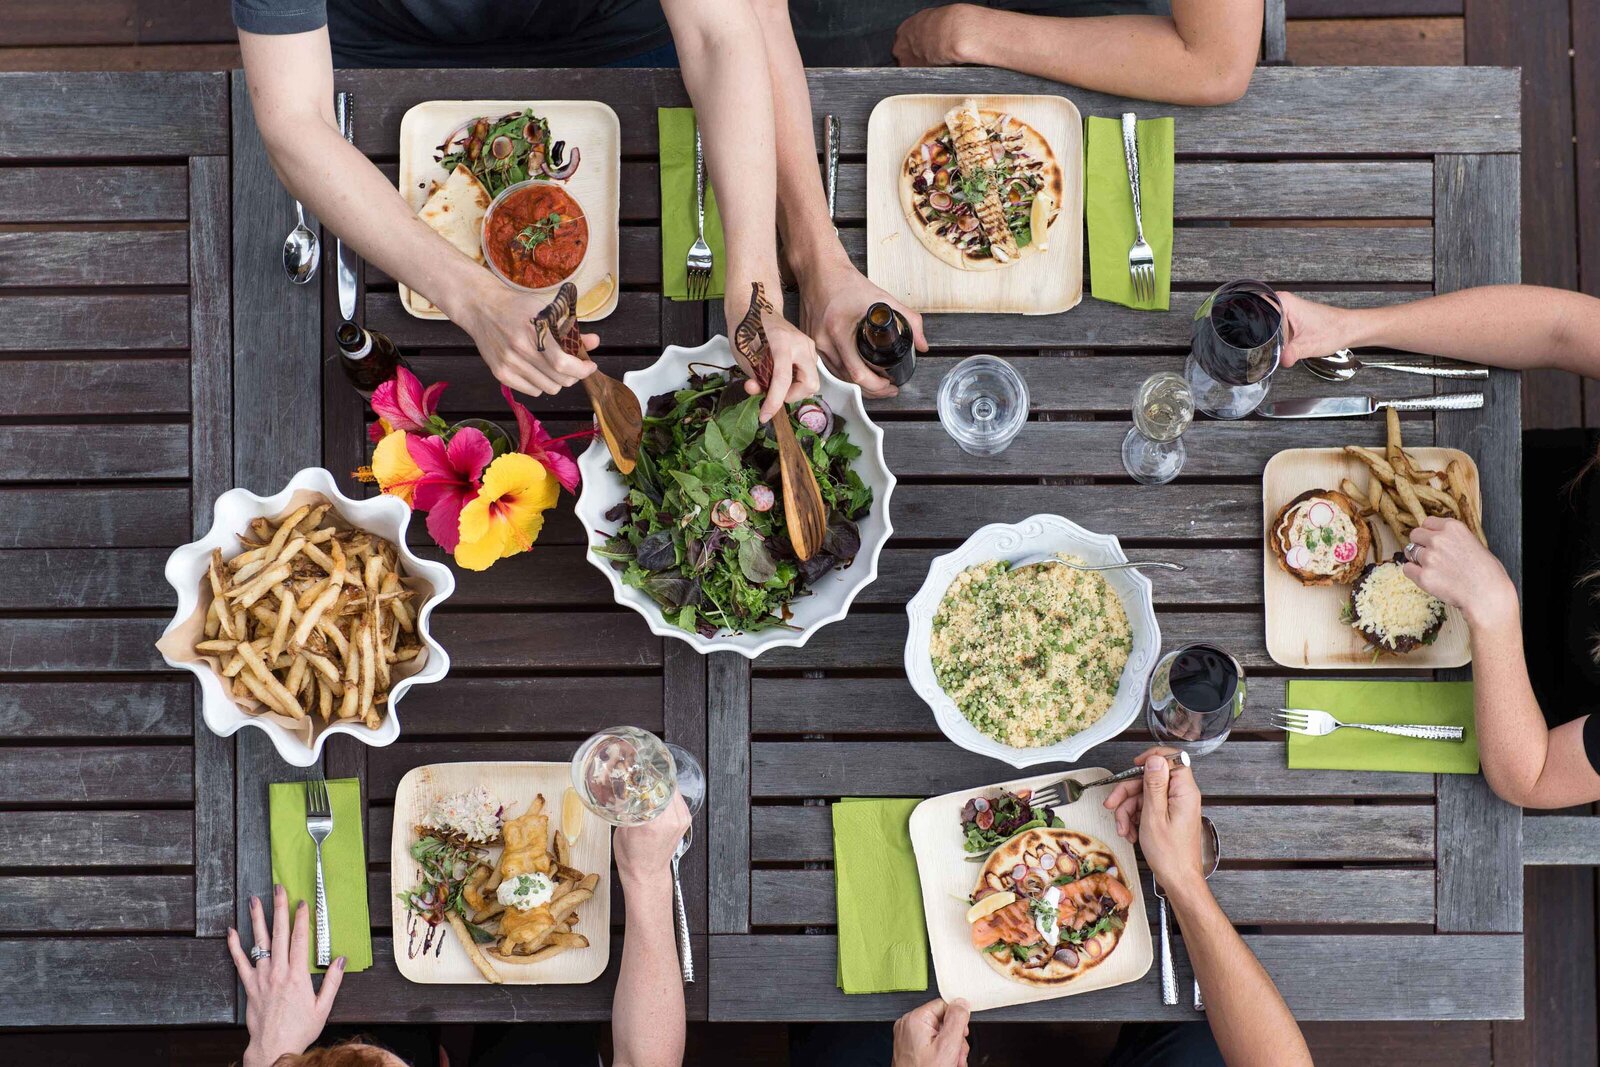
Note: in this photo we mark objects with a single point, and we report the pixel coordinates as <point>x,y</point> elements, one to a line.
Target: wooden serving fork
<point>803,511</point>
<point>615,406</point>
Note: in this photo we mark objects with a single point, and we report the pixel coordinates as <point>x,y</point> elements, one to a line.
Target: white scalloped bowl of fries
<point>318,656</point>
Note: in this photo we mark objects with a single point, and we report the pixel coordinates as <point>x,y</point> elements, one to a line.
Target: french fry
<point>1391,516</point>
<point>259,586</point>
<point>324,699</point>
<point>1348,488</point>
<point>1392,450</point>
<point>1442,502</point>
<point>213,624</point>
<point>1379,466</point>
<point>569,902</point>
<point>464,936</point>
<point>368,672</point>
<point>1455,476</point>
<point>1408,498</point>
<point>286,528</point>
<point>554,948</point>
<point>563,850</point>
<point>280,632</point>
<point>219,645</point>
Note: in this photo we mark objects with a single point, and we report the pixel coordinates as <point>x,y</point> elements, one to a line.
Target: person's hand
<point>1162,813</point>
<point>833,300</point>
<point>934,1035</point>
<point>1312,329</point>
<point>1450,562</point>
<point>645,851</point>
<point>500,320</point>
<point>282,1012</point>
<point>794,357</point>
<point>937,36</point>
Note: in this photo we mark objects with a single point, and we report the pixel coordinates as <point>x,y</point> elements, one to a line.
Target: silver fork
<point>1141,260</point>
<point>319,824</point>
<point>1068,790</point>
<point>699,259</point>
<point>1315,723</point>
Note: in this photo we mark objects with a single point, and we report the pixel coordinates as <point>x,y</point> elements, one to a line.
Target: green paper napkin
<point>1415,703</point>
<point>883,940</point>
<point>344,866</point>
<point>676,125</point>
<point>1108,208</point>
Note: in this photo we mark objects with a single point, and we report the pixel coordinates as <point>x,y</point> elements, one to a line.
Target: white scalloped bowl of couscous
<point>1032,665</point>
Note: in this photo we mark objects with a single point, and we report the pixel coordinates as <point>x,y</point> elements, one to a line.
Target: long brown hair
<point>353,1053</point>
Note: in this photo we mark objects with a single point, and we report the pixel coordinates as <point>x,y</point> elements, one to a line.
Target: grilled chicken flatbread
<point>1070,909</point>
<point>981,190</point>
<point>455,211</point>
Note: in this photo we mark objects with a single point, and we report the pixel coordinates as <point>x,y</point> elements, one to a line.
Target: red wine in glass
<point>1235,346</point>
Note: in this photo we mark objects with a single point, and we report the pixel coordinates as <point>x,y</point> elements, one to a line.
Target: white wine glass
<point>626,775</point>
<point>1153,451</point>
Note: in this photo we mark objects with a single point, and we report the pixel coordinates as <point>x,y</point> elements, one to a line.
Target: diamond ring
<point>259,953</point>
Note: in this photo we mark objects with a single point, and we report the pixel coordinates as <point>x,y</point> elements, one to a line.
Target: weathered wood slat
<point>563,577</point>
<point>96,709</point>
<point>148,115</point>
<point>1323,977</point>
<point>781,769</point>
<point>83,904</point>
<point>148,774</point>
<point>33,839</point>
<point>87,257</point>
<point>89,644</point>
<point>951,511</point>
<point>64,453</point>
<point>568,640</point>
<point>98,518</point>
<point>1301,832</point>
<point>457,706</point>
<point>117,386</point>
<point>1255,898</point>
<point>386,766</point>
<point>683,706</point>
<point>1561,840</point>
<point>634,324</point>
<point>94,323</point>
<point>95,194</point>
<point>111,981</point>
<point>728,726</point>
<point>638,258</point>
<point>71,578</point>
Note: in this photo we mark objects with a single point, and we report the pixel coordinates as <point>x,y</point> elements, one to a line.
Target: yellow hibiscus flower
<point>507,514</point>
<point>397,473</point>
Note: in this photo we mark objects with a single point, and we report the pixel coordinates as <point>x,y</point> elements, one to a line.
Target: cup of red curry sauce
<point>535,235</point>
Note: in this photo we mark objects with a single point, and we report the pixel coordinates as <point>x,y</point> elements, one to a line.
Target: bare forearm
<point>1514,326</point>
<point>647,1013</point>
<point>1252,1024</point>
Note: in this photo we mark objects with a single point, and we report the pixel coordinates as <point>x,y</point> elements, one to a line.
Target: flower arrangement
<point>485,500</point>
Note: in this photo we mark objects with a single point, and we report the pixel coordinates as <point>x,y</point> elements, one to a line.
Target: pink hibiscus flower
<point>553,452</point>
<point>403,404</point>
<point>451,476</point>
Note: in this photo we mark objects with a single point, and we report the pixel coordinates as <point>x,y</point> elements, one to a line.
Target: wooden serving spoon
<point>615,406</point>
<point>803,511</point>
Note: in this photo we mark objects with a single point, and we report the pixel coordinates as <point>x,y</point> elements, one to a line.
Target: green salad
<point>702,527</point>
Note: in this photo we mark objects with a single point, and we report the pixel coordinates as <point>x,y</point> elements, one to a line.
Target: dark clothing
<point>467,33</point>
<point>860,33</point>
<point>1561,539</point>
<point>872,1045</point>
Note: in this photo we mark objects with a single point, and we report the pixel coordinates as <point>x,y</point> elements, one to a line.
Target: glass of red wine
<point>1234,347</point>
<point>1196,693</point>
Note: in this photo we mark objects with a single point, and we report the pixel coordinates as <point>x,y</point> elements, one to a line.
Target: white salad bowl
<point>385,516</point>
<point>1038,535</point>
<point>831,596</point>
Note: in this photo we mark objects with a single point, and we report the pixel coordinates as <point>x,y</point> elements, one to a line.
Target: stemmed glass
<point>626,776</point>
<point>983,404</point>
<point>1235,345</point>
<point>1153,451</point>
<point>1196,693</point>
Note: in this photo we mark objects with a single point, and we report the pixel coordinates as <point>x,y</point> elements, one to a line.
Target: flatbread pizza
<point>981,190</point>
<point>1049,906</point>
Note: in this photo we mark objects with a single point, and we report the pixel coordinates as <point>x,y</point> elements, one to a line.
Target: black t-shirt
<point>1561,545</point>
<point>467,33</point>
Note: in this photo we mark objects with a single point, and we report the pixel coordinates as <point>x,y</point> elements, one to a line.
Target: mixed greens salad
<point>989,823</point>
<point>702,527</point>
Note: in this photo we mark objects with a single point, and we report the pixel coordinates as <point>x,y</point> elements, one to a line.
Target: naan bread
<point>455,211</point>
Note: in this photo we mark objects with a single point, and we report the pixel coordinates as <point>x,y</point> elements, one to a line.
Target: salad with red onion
<point>987,822</point>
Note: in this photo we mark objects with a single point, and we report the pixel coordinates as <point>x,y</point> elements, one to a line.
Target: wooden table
<point>157,356</point>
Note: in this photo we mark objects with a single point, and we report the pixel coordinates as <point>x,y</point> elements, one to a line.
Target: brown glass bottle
<point>369,358</point>
<point>883,339</point>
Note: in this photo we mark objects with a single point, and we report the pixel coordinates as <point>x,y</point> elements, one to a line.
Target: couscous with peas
<point>1031,656</point>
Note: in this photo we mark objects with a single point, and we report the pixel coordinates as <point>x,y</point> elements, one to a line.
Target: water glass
<point>1153,451</point>
<point>1235,345</point>
<point>627,776</point>
<point>983,404</point>
<point>1196,693</point>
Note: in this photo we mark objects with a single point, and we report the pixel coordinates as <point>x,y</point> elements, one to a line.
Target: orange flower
<point>397,473</point>
<point>507,514</point>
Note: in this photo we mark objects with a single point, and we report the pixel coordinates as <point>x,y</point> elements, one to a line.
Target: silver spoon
<point>1210,858</point>
<point>685,953</point>
<point>1343,364</point>
<point>301,251</point>
<point>1156,563</point>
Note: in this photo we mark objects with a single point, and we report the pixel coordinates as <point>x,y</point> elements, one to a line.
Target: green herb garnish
<point>539,231</point>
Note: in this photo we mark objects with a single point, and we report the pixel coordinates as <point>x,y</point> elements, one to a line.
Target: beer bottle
<point>883,339</point>
<point>368,357</point>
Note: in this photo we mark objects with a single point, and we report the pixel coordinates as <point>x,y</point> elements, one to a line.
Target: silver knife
<point>345,104</point>
<point>1334,407</point>
<point>830,136</point>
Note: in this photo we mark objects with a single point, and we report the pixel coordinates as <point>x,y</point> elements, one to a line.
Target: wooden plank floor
<point>1558,45</point>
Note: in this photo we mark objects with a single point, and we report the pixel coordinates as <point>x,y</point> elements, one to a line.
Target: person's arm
<point>1519,327</point>
<point>1252,1024</point>
<point>291,90</point>
<point>1204,54</point>
<point>724,66</point>
<point>647,1013</point>
<point>1524,761</point>
<point>834,296</point>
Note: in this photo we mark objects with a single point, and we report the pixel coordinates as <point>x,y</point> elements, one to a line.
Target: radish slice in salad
<point>940,201</point>
<point>1319,514</point>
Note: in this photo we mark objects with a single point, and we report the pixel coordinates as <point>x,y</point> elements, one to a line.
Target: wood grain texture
<point>635,323</point>
<point>728,730</point>
<point>94,323</point>
<point>97,775</point>
<point>116,981</point>
<point>80,644</point>
<point>95,194</point>
<point>683,697</point>
<point>1561,840</point>
<point>153,115</point>
<point>131,451</point>
<point>1274,44</point>
<point>101,709</point>
<point>96,904</point>
<point>115,386</point>
<point>1402,42</point>
<point>457,706</point>
<point>93,258</point>
<point>588,640</point>
<point>110,517</point>
<point>81,579</point>
<point>96,839</point>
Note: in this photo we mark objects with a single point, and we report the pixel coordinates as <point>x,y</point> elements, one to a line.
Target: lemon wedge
<point>990,904</point>
<point>572,815</point>
<point>594,301</point>
<point>1039,220</point>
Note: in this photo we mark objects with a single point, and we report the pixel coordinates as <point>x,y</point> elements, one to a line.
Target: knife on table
<point>1335,407</point>
<point>344,104</point>
<point>830,136</point>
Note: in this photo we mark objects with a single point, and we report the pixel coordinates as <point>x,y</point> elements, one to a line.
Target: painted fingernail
<point>339,963</point>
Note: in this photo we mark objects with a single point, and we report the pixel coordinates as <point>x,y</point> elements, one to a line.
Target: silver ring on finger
<point>1411,550</point>
<point>259,953</point>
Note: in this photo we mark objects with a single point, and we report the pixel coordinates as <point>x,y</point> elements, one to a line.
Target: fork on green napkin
<point>344,866</point>
<point>676,129</point>
<point>1108,208</point>
<point>1386,703</point>
<point>883,939</point>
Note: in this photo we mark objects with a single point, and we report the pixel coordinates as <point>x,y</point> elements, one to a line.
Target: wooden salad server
<point>615,406</point>
<point>803,511</point>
